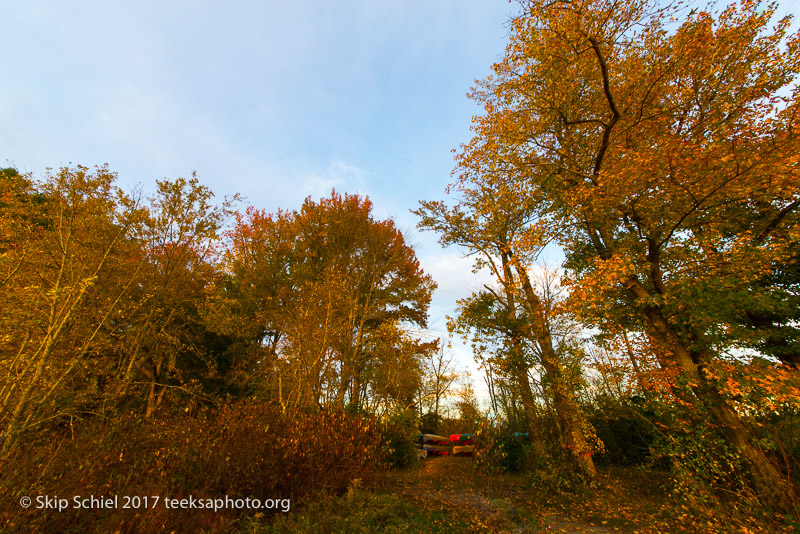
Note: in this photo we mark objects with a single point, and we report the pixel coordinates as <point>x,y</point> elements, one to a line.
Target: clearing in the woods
<point>502,503</point>
<point>450,495</point>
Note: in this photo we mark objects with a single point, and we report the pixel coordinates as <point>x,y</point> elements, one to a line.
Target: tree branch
<point>611,104</point>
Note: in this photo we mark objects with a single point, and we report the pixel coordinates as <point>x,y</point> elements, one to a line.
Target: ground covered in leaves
<point>479,502</point>
<point>443,495</point>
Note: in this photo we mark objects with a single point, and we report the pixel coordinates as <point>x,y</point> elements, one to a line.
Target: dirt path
<point>502,502</point>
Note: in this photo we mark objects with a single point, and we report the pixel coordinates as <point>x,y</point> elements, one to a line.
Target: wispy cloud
<point>339,175</point>
<point>453,274</point>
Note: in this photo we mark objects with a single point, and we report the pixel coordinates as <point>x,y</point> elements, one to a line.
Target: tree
<point>68,264</point>
<point>490,222</point>
<point>664,161</point>
<point>100,291</point>
<point>395,372</point>
<point>163,328</point>
<point>440,375</point>
<point>469,413</point>
<point>770,322</point>
<point>322,286</point>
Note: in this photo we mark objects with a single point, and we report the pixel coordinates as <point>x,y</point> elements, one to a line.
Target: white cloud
<point>339,175</point>
<point>452,271</point>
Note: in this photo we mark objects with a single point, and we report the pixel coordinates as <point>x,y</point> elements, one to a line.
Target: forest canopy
<point>658,147</point>
<point>176,343</point>
<point>112,301</point>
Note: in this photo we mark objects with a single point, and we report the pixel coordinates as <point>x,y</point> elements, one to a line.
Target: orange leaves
<point>329,285</point>
<point>657,158</point>
<point>758,386</point>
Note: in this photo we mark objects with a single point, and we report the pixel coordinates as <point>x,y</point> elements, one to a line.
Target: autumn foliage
<point>658,147</point>
<point>244,450</point>
<point>172,345</point>
<point>327,292</point>
<point>144,352</point>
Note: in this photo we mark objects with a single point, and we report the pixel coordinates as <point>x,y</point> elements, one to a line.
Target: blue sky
<point>273,100</point>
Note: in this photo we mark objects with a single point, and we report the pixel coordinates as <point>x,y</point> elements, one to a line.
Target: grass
<point>443,495</point>
<point>365,511</point>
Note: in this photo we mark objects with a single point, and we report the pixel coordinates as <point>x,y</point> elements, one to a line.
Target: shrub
<point>400,433</point>
<point>627,440</point>
<point>430,422</point>
<point>503,451</point>
<point>246,450</point>
<point>499,450</point>
<point>551,473</point>
<point>706,473</point>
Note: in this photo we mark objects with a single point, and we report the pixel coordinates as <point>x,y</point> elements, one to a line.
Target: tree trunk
<point>767,480</point>
<point>529,405</point>
<point>636,369</point>
<point>355,396</point>
<point>566,408</point>
<point>153,398</point>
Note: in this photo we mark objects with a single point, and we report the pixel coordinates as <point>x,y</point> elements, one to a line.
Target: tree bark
<point>529,405</point>
<point>636,369</point>
<point>767,480</point>
<point>566,407</point>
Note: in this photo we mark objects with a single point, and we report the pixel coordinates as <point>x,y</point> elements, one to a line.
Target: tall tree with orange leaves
<point>489,222</point>
<point>67,263</point>
<point>660,148</point>
<point>328,292</point>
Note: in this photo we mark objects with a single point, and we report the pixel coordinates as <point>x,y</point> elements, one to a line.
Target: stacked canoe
<point>433,445</point>
<point>436,445</point>
<point>457,444</point>
<point>462,444</point>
